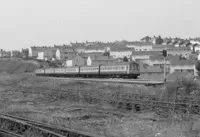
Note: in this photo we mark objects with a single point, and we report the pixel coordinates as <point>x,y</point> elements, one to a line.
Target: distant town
<point>182,55</point>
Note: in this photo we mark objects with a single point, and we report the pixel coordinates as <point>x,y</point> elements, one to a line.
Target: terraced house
<point>179,51</point>
<point>144,56</point>
<point>97,60</point>
<point>161,47</point>
<point>74,61</point>
<point>94,49</point>
<point>183,66</point>
<point>64,52</point>
<point>42,53</point>
<point>118,52</point>
<point>140,46</point>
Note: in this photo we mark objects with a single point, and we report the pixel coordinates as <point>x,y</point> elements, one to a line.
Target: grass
<point>50,101</point>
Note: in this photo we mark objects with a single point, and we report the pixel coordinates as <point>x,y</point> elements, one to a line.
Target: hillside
<point>17,66</point>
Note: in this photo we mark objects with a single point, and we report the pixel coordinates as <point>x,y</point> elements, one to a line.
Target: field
<point>51,101</point>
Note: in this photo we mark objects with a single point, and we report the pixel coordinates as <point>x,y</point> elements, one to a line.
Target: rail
<point>9,133</point>
<point>125,99</point>
<point>125,81</point>
<point>45,128</point>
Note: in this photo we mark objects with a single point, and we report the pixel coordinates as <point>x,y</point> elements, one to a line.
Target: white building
<point>40,56</point>
<point>141,47</point>
<point>121,54</point>
<point>68,63</point>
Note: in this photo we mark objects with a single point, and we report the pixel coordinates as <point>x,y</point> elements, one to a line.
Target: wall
<point>78,61</point>
<point>89,61</point>
<point>58,56</point>
<point>40,55</point>
<point>68,63</point>
<point>140,57</point>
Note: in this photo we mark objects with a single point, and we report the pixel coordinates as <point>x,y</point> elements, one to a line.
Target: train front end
<point>134,70</point>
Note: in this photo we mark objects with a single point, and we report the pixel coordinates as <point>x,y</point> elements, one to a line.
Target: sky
<point>26,23</point>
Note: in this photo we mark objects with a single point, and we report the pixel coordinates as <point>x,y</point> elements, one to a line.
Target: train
<point>118,70</point>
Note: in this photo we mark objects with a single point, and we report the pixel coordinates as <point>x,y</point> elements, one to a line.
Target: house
<point>159,61</point>
<point>146,39</point>
<point>25,53</point>
<point>94,49</point>
<point>5,54</point>
<point>152,72</point>
<point>161,47</point>
<point>63,53</point>
<point>140,46</point>
<point>144,55</point>
<point>195,48</point>
<point>97,60</point>
<point>180,51</point>
<point>42,52</point>
<point>74,61</point>
<point>86,55</point>
<point>121,52</point>
<point>157,40</point>
<point>1,52</point>
<point>16,53</point>
<point>184,44</point>
<point>183,66</point>
<point>195,41</point>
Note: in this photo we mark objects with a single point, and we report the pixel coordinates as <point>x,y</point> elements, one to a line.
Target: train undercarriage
<point>124,76</point>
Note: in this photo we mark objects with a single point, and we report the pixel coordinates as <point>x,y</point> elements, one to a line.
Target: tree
<point>197,66</point>
<point>125,59</point>
<point>159,40</point>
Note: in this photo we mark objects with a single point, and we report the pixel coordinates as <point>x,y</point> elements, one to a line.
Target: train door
<point>128,69</point>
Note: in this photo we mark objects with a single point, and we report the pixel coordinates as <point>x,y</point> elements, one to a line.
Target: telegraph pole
<point>164,55</point>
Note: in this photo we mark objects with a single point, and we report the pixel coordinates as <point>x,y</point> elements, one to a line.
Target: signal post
<point>165,55</point>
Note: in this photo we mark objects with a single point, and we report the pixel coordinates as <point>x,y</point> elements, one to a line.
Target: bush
<point>184,87</point>
<point>16,66</point>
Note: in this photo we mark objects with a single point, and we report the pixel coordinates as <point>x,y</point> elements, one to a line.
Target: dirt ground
<point>36,98</point>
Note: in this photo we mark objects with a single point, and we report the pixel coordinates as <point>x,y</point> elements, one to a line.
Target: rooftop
<point>182,62</point>
<point>162,58</point>
<point>146,53</point>
<point>179,48</point>
<point>162,46</point>
<point>118,48</point>
<point>101,58</point>
<point>139,43</point>
<point>66,50</point>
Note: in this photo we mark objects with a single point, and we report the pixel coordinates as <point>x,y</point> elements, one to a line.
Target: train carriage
<point>117,70</point>
<point>72,72</point>
<point>49,71</point>
<point>120,70</point>
<point>60,72</point>
<point>39,72</point>
<point>89,71</point>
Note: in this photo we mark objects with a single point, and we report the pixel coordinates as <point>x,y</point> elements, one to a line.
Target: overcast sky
<point>25,23</point>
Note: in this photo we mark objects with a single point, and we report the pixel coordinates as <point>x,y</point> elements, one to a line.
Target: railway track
<point>8,133</point>
<point>18,125</point>
<point>126,100</point>
<point>125,81</point>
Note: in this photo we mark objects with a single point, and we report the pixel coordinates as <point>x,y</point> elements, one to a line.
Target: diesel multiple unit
<point>118,70</point>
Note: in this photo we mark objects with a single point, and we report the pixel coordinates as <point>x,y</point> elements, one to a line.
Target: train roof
<point>121,63</point>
